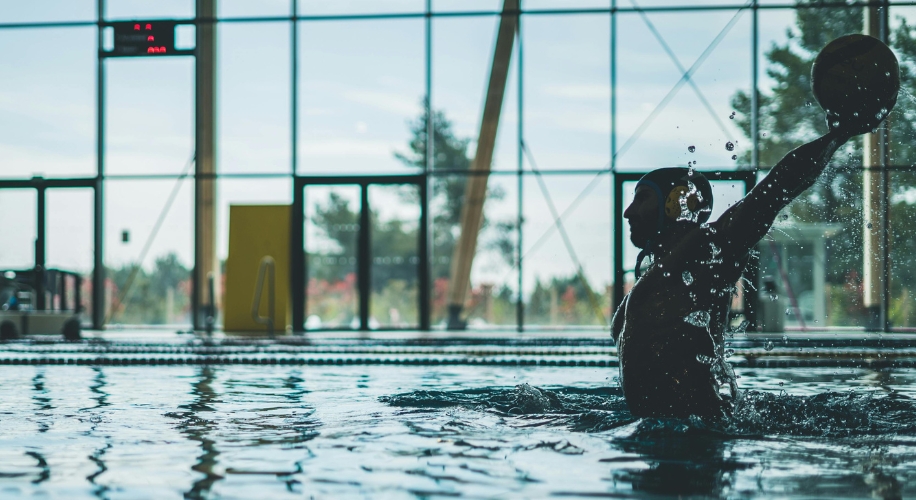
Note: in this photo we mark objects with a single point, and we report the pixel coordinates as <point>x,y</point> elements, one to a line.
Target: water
<point>439,431</point>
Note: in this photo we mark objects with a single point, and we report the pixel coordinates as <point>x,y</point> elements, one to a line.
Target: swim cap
<point>683,195</point>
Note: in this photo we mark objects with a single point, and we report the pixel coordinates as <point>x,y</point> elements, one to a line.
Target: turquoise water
<point>443,431</point>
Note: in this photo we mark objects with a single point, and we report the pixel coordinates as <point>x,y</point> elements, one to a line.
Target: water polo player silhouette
<point>669,329</point>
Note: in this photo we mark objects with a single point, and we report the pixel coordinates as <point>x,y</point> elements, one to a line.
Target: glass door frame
<point>41,185</point>
<point>364,257</point>
<point>747,177</point>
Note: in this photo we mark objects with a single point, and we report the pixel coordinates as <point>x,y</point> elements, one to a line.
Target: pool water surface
<point>443,431</point>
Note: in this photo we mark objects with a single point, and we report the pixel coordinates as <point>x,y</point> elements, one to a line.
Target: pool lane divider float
<point>177,356</point>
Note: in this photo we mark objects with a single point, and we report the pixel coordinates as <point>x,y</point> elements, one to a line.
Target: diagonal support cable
<point>562,229</point>
<point>124,299</point>
<point>686,78</point>
<point>680,67</point>
<point>642,127</point>
<point>680,83</point>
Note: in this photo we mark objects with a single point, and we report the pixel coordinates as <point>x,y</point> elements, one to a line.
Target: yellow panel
<point>256,231</point>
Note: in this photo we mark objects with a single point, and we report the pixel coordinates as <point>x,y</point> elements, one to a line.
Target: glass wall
<point>310,88</point>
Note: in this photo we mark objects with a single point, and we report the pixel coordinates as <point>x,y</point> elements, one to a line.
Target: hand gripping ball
<point>855,77</point>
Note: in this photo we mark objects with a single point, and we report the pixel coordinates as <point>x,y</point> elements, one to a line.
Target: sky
<point>361,83</point>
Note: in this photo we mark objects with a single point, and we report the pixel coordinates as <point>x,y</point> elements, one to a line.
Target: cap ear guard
<point>673,202</point>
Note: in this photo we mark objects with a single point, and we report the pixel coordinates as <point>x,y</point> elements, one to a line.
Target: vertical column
<point>520,178</point>
<point>874,202</point>
<point>40,274</point>
<point>205,162</point>
<point>428,166</point>
<point>99,304</point>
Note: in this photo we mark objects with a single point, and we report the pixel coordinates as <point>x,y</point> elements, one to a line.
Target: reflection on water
<point>258,431</point>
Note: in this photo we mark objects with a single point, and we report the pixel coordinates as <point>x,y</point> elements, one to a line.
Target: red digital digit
<point>150,38</point>
<point>149,27</point>
<point>136,27</point>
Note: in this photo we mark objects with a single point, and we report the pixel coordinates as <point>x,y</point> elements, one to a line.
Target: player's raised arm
<point>749,220</point>
<point>855,78</point>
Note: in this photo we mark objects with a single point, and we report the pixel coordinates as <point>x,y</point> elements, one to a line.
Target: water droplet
<point>729,352</point>
<point>95,419</point>
<point>781,383</point>
<point>788,312</point>
<point>734,157</point>
<point>714,249</point>
<point>729,146</point>
<point>807,104</point>
<point>687,277</point>
<point>768,346</point>
<point>706,360</point>
<point>785,338</point>
<point>868,225</point>
<point>698,318</point>
<point>887,74</point>
<point>836,123</point>
<point>742,328</point>
<point>667,274</point>
<point>764,134</point>
<point>691,148</point>
<point>855,114</point>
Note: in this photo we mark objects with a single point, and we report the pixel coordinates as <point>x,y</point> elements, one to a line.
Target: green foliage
<point>789,117</point>
<point>161,295</point>
<point>564,301</point>
<point>450,164</point>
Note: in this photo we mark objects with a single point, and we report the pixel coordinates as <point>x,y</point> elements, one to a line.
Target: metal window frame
<point>295,18</point>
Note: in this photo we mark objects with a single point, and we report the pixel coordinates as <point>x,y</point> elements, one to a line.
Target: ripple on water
<point>755,413</point>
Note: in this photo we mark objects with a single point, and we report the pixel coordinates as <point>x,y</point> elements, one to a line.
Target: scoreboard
<point>145,39</point>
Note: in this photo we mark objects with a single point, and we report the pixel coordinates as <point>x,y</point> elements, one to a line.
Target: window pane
<point>902,307</point>
<point>18,226</point>
<point>144,9</point>
<point>467,6</point>
<point>324,7</point>
<point>462,59</point>
<point>48,125</point>
<point>654,130</point>
<point>902,312</point>
<point>361,90</point>
<point>70,244</point>
<point>678,3</point>
<point>254,97</point>
<point>248,8</point>
<point>150,110</point>
<point>160,290</point>
<point>567,98</point>
<point>394,241</point>
<point>491,299</point>
<point>331,248</point>
<point>789,114</point>
<point>556,294</point>
<point>12,11</point>
<point>565,4</point>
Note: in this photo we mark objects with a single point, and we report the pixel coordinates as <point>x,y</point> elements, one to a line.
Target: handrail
<point>267,267</point>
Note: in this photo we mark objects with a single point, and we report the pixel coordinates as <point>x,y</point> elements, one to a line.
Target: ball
<point>855,77</point>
